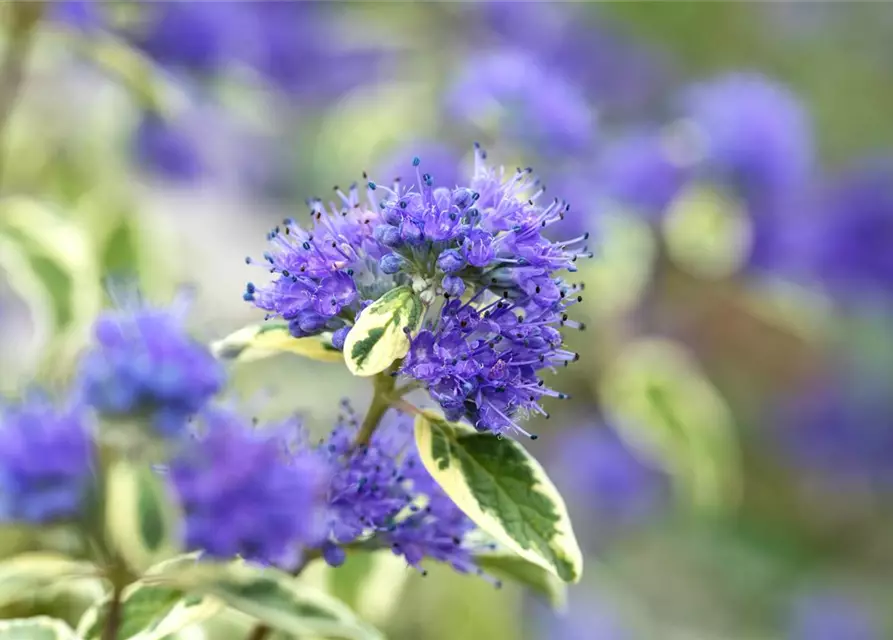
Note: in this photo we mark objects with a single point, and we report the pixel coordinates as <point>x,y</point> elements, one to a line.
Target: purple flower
<point>168,148</point>
<point>755,137</point>
<point>383,490</point>
<point>145,364</point>
<point>829,616</point>
<point>246,490</point>
<point>591,51</point>
<point>45,461</point>
<point>484,240</point>
<point>196,36</point>
<point>850,245</point>
<point>531,103</point>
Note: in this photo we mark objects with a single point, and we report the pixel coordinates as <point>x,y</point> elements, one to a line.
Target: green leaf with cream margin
<point>379,338</point>
<point>30,574</point>
<point>504,491</point>
<point>144,523</point>
<point>259,341</point>
<point>149,612</point>
<point>272,597</point>
<point>37,628</point>
<point>661,402</point>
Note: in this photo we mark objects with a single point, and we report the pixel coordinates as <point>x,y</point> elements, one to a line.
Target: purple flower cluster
<point>145,363</point>
<point>45,461</point>
<point>246,491</point>
<point>484,243</point>
<point>383,490</point>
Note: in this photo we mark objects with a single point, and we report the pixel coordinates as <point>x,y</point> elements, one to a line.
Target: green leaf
<point>17,270</point>
<point>143,522</point>
<point>149,612</point>
<point>274,598</point>
<point>64,260</point>
<point>657,396</point>
<point>37,628</point>
<point>509,566</point>
<point>260,341</point>
<point>378,337</point>
<point>27,574</point>
<point>504,490</point>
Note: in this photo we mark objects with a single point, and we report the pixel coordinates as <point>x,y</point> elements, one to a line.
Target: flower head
<point>246,490</point>
<point>45,460</point>
<point>483,244</point>
<point>382,489</point>
<point>145,363</point>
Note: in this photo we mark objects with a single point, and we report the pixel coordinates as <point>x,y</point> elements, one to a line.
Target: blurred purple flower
<point>851,240</point>
<point>610,67</point>
<point>294,45</point>
<point>754,136</point>
<point>828,616</point>
<point>45,460</point>
<point>603,480</point>
<point>247,491</point>
<point>196,36</point>
<point>531,102</point>
<point>144,363</point>
<point>169,148</point>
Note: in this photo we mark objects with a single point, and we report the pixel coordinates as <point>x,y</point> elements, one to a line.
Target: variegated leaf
<point>379,337</point>
<point>37,628</point>
<point>143,521</point>
<point>658,398</point>
<point>504,490</point>
<point>259,341</point>
<point>272,597</point>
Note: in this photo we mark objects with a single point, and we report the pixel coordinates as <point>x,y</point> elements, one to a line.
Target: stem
<point>381,402</point>
<point>113,621</point>
<point>23,17</point>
